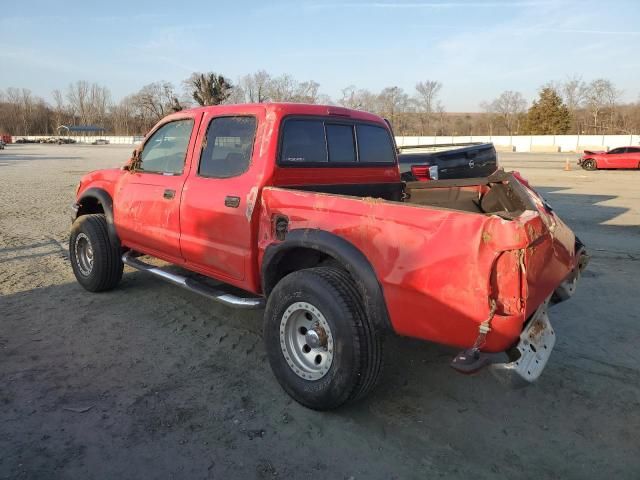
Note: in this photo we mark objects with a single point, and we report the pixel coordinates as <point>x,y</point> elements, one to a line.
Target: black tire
<point>357,345</point>
<point>590,165</point>
<point>105,269</point>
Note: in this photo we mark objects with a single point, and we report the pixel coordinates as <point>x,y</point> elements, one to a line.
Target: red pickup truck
<point>300,209</point>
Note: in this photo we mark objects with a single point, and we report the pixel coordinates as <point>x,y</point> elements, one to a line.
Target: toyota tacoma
<point>300,210</point>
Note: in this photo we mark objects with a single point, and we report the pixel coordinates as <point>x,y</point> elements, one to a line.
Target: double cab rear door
<point>189,202</point>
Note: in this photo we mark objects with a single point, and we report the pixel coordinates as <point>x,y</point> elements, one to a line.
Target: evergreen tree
<point>548,115</point>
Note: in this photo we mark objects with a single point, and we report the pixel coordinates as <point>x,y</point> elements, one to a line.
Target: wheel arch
<point>307,248</point>
<point>98,200</point>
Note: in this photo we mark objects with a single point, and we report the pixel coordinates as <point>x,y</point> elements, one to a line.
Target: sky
<point>477,49</point>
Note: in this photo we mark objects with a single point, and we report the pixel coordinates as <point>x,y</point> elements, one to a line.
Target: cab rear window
<point>326,142</point>
<point>304,142</point>
<point>374,144</point>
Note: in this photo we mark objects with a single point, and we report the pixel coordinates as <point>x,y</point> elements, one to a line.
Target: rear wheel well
<point>310,248</point>
<point>294,259</point>
<point>89,205</point>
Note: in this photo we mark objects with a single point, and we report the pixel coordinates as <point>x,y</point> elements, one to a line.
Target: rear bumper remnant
<point>531,353</point>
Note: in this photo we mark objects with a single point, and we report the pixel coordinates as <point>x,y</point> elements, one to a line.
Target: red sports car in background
<point>621,157</point>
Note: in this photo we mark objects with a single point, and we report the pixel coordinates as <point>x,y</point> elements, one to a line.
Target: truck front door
<point>218,199</point>
<point>147,200</point>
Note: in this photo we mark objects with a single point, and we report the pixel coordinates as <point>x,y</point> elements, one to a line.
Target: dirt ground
<point>150,381</point>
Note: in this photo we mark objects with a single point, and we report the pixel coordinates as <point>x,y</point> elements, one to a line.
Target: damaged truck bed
<point>301,208</point>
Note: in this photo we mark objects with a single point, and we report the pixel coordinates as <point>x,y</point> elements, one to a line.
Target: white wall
<point>517,143</point>
<point>532,143</point>
<point>113,139</point>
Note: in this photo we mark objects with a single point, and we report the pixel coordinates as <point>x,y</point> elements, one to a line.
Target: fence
<point>514,143</point>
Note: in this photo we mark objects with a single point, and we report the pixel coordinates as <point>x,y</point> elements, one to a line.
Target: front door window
<point>166,150</point>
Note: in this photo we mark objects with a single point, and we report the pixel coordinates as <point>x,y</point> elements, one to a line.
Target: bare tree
<point>427,101</point>
<point>392,100</point>
<point>89,103</point>
<point>255,86</point>
<point>307,92</point>
<point>154,101</point>
<point>595,106</point>
<point>59,109</point>
<point>349,97</point>
<point>99,103</point>
<point>508,108</point>
<point>14,110</point>
<point>260,87</point>
<point>27,107</point>
<point>573,92</point>
<point>488,115</point>
<point>359,99</point>
<point>282,88</point>
<point>601,95</point>
<point>77,95</point>
<point>442,117</point>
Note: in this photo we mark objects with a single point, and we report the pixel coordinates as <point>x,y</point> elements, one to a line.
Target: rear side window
<point>342,145</point>
<point>374,144</point>
<point>304,142</point>
<point>633,150</point>
<point>229,143</point>
<point>319,141</point>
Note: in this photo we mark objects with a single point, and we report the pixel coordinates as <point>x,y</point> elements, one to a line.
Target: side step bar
<point>193,285</point>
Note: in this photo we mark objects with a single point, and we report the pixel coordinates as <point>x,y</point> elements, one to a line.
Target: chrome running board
<point>194,285</point>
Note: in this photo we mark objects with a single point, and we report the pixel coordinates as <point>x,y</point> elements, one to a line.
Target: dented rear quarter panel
<point>437,267</point>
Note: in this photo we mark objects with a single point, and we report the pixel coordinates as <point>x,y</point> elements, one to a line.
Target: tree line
<point>572,106</point>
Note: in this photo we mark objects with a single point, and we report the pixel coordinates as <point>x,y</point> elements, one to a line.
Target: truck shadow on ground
<point>33,250</point>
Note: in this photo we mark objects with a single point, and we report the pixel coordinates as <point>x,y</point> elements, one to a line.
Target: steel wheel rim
<point>84,254</point>
<point>306,341</point>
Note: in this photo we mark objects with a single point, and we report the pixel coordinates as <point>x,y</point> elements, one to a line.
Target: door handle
<point>169,194</point>
<point>231,201</point>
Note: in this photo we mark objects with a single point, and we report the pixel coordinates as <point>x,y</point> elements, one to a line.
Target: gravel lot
<point>150,381</point>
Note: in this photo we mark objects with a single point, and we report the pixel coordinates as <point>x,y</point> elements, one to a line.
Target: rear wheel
<point>95,260</point>
<point>322,348</point>
<point>589,164</point>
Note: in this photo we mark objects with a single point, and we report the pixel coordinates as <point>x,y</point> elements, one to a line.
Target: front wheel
<point>589,165</point>
<point>322,348</point>
<point>95,260</point>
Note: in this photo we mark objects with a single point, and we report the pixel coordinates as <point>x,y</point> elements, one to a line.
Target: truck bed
<point>448,248</point>
<point>485,195</point>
